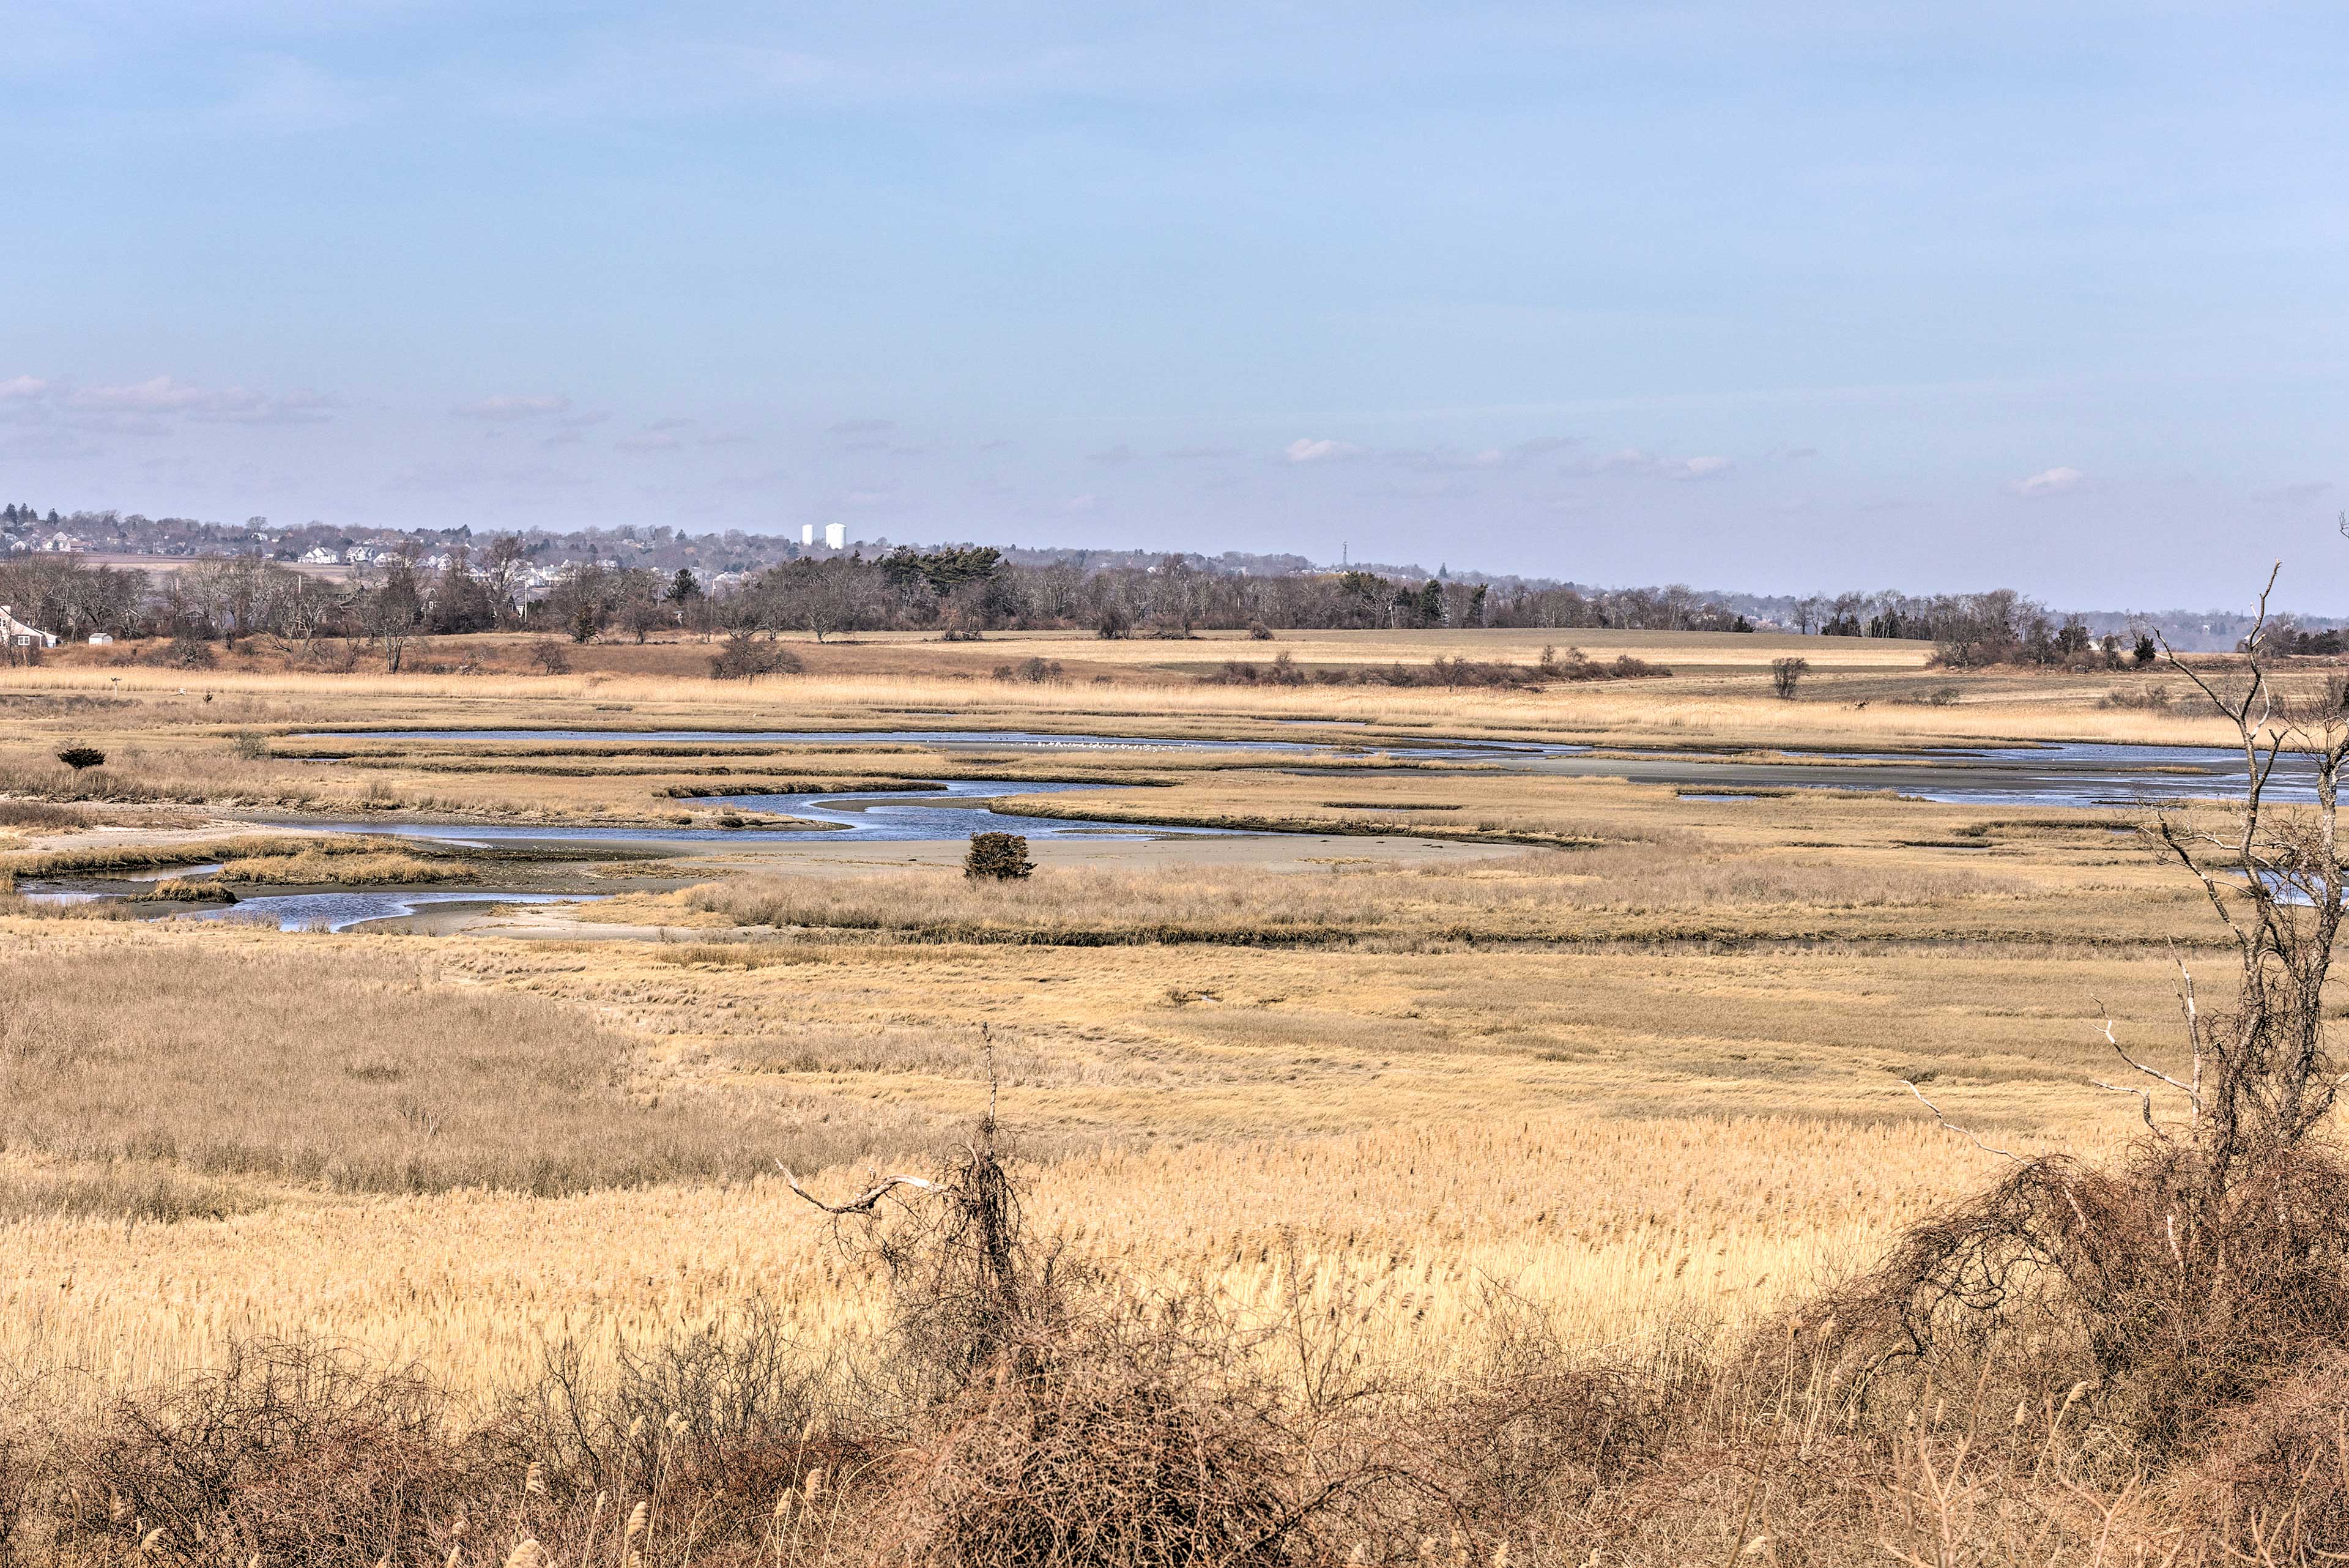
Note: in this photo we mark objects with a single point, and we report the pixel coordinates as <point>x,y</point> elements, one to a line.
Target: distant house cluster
<point>57,544</point>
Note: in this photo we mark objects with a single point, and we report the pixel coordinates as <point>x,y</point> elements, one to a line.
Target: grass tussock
<point>182,890</point>
<point>102,858</point>
<point>43,817</point>
<point>280,860</point>
<point>365,869</point>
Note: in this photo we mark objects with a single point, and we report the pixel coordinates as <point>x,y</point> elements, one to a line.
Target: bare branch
<point>2141,1095</point>
<point>1961,1132</point>
<point>859,1205</point>
<point>2150,1072</point>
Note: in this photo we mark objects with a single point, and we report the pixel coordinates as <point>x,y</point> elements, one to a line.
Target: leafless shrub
<point>2184,1283</point>
<point>744,658</point>
<point>292,1451</point>
<point>719,1421</point>
<point>1122,1441</point>
<point>1576,665</point>
<point>185,650</point>
<point>1533,1430</point>
<point>1058,1423</point>
<point>1450,673</point>
<point>2138,699</point>
<point>2172,1299</point>
<point>2277,1469</point>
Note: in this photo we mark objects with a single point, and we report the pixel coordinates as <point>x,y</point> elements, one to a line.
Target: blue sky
<point>1774,296</point>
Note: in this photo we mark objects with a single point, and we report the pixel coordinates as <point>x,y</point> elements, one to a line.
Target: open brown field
<point>1859,690</point>
<point>1487,1041</point>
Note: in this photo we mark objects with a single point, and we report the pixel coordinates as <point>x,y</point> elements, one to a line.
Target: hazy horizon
<point>1815,297</point>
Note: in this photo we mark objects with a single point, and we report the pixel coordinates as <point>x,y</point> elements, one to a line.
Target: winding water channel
<point>2079,773</point>
<point>2062,775</point>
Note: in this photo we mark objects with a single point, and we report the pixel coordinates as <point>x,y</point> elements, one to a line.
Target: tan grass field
<point>1651,1070</point>
<point>1431,1050</point>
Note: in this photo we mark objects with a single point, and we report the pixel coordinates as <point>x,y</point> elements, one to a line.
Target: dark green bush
<point>1000,856</point>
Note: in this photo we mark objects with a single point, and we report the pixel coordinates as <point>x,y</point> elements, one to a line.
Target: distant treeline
<point>954,592</point>
<point>960,591</point>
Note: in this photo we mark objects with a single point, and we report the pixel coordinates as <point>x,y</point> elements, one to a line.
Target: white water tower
<point>807,532</point>
<point>835,535</point>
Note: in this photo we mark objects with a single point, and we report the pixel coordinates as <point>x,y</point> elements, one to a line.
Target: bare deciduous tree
<point>2214,1256</point>
<point>2262,1075</point>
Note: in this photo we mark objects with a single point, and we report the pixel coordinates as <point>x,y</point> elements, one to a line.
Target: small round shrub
<point>997,856</point>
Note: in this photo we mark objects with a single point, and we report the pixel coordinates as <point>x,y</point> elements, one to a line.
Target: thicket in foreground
<point>2190,1299</point>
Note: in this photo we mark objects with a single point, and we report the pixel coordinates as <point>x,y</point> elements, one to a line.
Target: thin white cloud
<point>2048,482</point>
<point>512,406</point>
<point>22,389</point>
<point>1304,451</point>
<point>1633,460</point>
<point>298,408</point>
<point>1449,460</point>
<point>155,395</point>
<point>143,405</point>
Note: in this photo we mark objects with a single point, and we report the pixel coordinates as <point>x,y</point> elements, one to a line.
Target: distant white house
<point>321,556</point>
<point>360,555</point>
<point>18,635</point>
<point>101,640</point>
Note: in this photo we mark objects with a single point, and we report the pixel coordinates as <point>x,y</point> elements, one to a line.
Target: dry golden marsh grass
<point>1651,1074</point>
<point>1490,1045</point>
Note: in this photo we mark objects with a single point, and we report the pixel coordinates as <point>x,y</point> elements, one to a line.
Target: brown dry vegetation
<point>309,867</point>
<point>284,1065</point>
<point>1442,1212</point>
<point>1579,896</point>
<point>283,859</point>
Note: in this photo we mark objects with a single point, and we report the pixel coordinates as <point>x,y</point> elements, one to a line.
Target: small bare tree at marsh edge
<point>1785,674</point>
